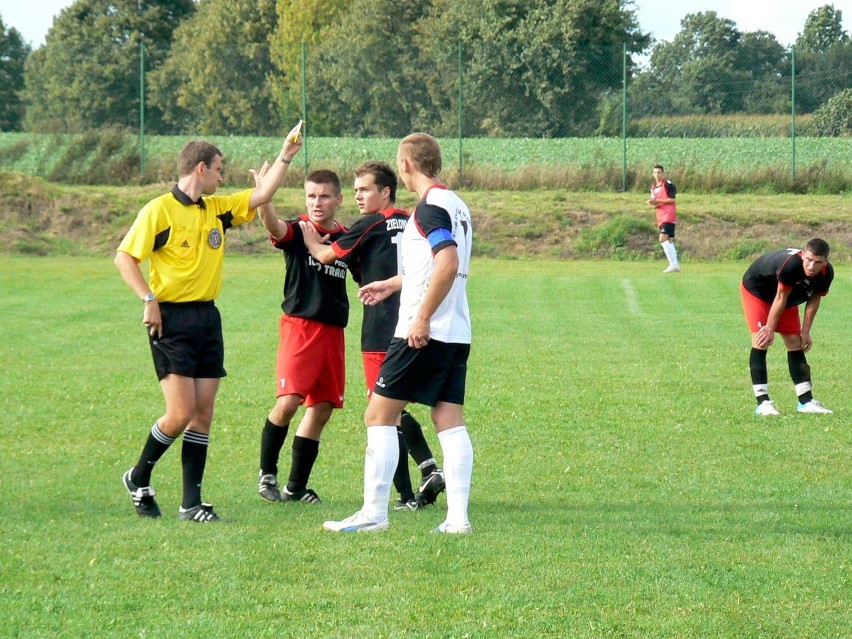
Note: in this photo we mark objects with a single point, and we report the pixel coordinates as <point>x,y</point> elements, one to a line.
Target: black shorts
<point>191,344</point>
<point>668,228</point>
<point>428,375</point>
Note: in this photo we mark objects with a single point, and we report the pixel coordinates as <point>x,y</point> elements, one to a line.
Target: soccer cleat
<point>432,486</point>
<point>306,496</point>
<point>449,529</point>
<point>143,497</point>
<point>411,504</point>
<point>203,513</point>
<point>356,523</point>
<point>765,408</point>
<point>267,486</point>
<point>673,268</point>
<point>813,407</point>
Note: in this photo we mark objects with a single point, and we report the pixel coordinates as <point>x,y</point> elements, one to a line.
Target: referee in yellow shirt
<point>182,235</point>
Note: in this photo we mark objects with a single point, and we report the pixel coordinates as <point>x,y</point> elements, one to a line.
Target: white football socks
<point>380,463</point>
<point>458,468</point>
<point>670,251</point>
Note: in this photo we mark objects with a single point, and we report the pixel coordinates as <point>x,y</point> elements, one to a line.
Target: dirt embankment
<point>43,218</point>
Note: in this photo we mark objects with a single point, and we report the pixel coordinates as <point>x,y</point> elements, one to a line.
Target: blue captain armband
<point>440,237</point>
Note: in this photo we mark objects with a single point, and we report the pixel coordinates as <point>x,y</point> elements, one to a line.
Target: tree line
<point>527,68</point>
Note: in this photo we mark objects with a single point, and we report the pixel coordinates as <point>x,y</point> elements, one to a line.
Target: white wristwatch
<point>149,298</point>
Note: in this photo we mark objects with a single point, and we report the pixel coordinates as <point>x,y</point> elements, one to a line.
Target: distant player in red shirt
<point>663,193</point>
<point>772,289</point>
<point>310,365</point>
<point>371,249</point>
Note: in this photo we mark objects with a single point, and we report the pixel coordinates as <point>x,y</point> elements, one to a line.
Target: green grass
<point>728,164</point>
<point>622,486</point>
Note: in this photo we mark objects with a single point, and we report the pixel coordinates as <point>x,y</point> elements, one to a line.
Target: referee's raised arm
<point>273,178</point>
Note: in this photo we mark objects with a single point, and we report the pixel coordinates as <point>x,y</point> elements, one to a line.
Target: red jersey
<point>666,213</point>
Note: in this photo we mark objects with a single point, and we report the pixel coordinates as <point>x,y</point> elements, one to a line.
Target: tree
<point>539,68</point>
<point>13,55</point>
<point>710,67</point>
<point>309,23</point>
<point>823,29</point>
<point>368,79</point>
<point>834,118</point>
<point>87,73</point>
<point>823,60</point>
<point>215,78</point>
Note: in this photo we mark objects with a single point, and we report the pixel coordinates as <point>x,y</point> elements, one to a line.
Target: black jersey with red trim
<point>371,248</point>
<point>785,267</point>
<point>313,290</point>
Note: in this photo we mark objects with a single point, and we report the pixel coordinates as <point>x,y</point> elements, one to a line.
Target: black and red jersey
<point>371,251</point>
<point>313,290</point>
<point>785,267</point>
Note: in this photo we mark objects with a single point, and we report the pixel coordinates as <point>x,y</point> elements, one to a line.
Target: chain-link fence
<point>508,115</point>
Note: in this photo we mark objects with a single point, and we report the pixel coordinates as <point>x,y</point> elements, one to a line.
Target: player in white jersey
<point>427,359</point>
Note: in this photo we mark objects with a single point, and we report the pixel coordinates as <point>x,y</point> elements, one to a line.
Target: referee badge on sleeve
<point>214,238</point>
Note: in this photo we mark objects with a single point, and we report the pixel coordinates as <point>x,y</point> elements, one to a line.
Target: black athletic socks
<point>194,459</point>
<point>155,447</point>
<point>759,374</point>
<point>414,440</point>
<point>401,478</point>
<point>800,372</point>
<point>305,453</point>
<point>271,440</point>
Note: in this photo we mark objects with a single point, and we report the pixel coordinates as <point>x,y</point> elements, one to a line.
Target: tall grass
<point>725,164</point>
<point>623,486</point>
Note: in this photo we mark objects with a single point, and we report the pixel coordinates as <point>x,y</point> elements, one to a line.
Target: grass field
<point>729,164</point>
<point>623,486</point>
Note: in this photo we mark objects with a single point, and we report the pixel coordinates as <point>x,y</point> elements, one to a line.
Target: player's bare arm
<point>378,291</point>
<point>264,191</point>
<point>811,308</point>
<point>443,276</point>
<point>275,227</point>
<point>128,266</point>
<point>316,243</point>
<point>766,335</point>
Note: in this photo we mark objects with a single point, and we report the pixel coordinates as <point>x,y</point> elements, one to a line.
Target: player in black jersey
<point>310,365</point>
<point>772,289</point>
<point>371,249</point>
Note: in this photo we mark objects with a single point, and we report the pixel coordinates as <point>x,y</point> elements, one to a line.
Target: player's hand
<point>259,174</point>
<point>418,334</point>
<point>293,142</point>
<point>152,320</point>
<point>807,342</point>
<point>311,235</point>
<point>764,337</point>
<point>375,292</point>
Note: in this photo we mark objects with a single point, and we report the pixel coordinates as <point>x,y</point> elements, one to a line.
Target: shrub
<point>834,118</point>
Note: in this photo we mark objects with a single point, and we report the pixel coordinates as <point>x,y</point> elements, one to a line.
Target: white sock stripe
<point>429,462</point>
<point>160,436</point>
<point>196,438</point>
<point>803,388</point>
<point>760,389</point>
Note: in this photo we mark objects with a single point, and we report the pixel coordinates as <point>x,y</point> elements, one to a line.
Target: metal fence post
<point>624,117</point>
<point>793,109</point>
<point>141,107</point>
<point>305,103</point>
<point>460,113</point>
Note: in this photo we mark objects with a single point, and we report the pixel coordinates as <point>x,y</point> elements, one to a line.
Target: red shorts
<point>757,312</point>
<point>310,361</point>
<point>372,364</point>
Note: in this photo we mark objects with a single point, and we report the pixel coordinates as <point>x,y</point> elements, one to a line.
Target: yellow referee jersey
<point>185,242</point>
